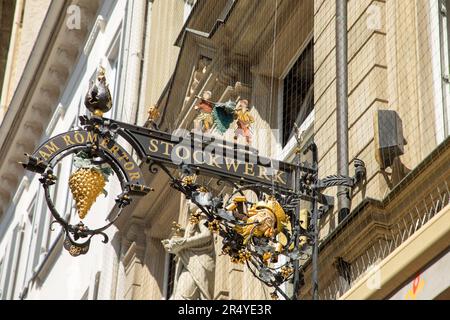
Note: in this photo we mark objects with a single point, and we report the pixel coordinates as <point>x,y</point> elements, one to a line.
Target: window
<point>31,210</point>
<point>41,222</point>
<point>444,26</point>
<point>15,246</point>
<point>169,275</point>
<point>298,93</point>
<point>29,236</point>
<point>113,75</point>
<point>69,203</point>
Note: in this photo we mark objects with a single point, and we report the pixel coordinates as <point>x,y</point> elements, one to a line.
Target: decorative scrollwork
<point>334,180</point>
<point>255,233</point>
<point>153,166</point>
<point>259,221</point>
<point>77,232</point>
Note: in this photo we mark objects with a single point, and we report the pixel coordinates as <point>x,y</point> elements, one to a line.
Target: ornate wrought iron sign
<point>208,154</point>
<point>76,140</point>
<point>256,233</point>
<point>102,151</point>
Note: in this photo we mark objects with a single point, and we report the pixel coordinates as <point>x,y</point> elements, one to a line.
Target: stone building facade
<point>55,48</point>
<point>281,56</point>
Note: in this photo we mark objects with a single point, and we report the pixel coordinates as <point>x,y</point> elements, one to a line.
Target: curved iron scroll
<point>300,183</point>
<point>55,150</point>
<point>233,242</point>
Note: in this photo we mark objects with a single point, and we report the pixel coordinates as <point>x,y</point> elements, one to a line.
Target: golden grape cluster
<point>86,185</point>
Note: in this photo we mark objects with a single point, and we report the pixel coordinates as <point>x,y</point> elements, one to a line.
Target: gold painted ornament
<point>266,257</point>
<point>87,183</point>
<point>265,219</point>
<point>242,257</point>
<point>286,272</point>
<point>195,217</point>
<point>153,113</point>
<point>74,251</point>
<point>214,226</point>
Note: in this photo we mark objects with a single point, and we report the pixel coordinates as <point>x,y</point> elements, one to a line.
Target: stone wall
<point>28,16</point>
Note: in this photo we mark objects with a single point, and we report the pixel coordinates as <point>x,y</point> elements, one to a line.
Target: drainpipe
<point>343,194</point>
<point>135,54</point>
<point>142,116</point>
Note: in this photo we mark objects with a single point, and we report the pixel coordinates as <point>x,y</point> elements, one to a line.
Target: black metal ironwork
<point>257,252</point>
<point>78,236</point>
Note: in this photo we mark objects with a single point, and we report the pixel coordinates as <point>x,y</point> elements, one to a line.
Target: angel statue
<point>244,121</point>
<point>219,115</point>
<point>153,116</point>
<point>194,274</point>
<point>204,120</point>
<point>222,115</point>
<point>225,113</point>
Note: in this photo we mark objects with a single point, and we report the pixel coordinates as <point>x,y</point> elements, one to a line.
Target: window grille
<point>298,92</point>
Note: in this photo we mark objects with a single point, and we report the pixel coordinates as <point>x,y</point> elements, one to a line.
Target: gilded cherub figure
<point>221,116</point>
<point>244,121</point>
<point>153,115</point>
<point>204,120</point>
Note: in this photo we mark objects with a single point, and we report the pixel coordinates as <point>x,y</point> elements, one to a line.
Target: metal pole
<point>342,104</point>
<point>315,253</point>
<point>296,264</point>
<point>315,223</point>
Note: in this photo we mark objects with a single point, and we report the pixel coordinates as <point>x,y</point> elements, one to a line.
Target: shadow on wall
<point>397,173</point>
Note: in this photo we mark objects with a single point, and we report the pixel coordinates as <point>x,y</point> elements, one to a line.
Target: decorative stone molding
<point>24,146</point>
<point>4,194</point>
<point>57,115</point>
<point>41,109</point>
<point>58,74</point>
<point>35,126</point>
<point>43,80</point>
<point>10,178</point>
<point>64,56</point>
<point>99,26</point>
<point>48,94</point>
